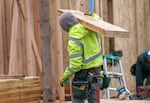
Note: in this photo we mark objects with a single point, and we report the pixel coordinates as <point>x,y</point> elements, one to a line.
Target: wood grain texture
<point>13,46</point>
<point>23,90</point>
<point>1,41</point>
<point>59,51</point>
<point>127,45</point>
<point>29,32</point>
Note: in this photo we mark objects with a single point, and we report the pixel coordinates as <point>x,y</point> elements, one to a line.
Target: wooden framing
<point>29,35</point>
<point>141,27</point>
<point>7,24</point>
<point>59,52</point>
<point>47,52</point>
<point>12,61</point>
<point>37,43</point>
<point>1,42</point>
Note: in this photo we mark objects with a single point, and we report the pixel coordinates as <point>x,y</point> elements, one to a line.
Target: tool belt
<point>81,84</point>
<point>102,80</point>
<point>83,80</point>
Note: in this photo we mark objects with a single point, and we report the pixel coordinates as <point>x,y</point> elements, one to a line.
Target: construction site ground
<point>111,101</point>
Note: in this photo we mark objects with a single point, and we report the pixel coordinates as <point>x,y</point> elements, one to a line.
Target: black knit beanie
<point>67,20</point>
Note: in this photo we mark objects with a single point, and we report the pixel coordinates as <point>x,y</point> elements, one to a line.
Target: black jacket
<point>142,63</point>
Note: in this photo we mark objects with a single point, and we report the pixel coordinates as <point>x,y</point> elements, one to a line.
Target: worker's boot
<point>122,94</point>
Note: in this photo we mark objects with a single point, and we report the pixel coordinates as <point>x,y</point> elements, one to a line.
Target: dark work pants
<point>92,95</point>
<point>92,92</point>
<point>141,76</point>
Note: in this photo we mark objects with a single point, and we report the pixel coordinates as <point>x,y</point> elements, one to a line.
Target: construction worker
<point>141,70</point>
<point>85,59</point>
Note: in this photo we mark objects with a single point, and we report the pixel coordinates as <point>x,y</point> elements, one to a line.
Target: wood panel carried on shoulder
<point>98,25</point>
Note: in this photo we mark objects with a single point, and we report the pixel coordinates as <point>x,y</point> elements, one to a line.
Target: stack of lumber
<point>25,90</point>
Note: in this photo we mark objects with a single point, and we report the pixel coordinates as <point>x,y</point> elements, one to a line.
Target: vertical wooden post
<point>59,51</point>
<point>140,18</point>
<point>36,41</point>
<point>19,43</point>
<point>12,60</point>
<point>48,57</point>
<point>124,16</point>
<point>21,4</point>
<point>29,37</point>
<point>84,4</point>
<point>97,7</point>
<point>147,18</point>
<point>1,42</point>
<point>6,26</point>
<point>110,19</point>
<point>37,24</point>
<point>104,15</point>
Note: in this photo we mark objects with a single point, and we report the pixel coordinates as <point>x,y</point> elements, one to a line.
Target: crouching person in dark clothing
<point>141,69</point>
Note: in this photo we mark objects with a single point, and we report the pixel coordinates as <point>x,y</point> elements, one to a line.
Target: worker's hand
<point>93,15</point>
<point>88,13</point>
<point>61,81</point>
<point>143,91</point>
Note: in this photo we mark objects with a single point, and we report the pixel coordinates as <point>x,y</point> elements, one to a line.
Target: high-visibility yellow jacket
<point>84,50</point>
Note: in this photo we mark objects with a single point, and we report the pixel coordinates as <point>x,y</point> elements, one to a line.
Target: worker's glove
<point>143,91</point>
<point>88,13</point>
<point>61,81</point>
<point>92,14</point>
<point>102,73</point>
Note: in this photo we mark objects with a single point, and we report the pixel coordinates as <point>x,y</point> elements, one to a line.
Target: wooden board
<point>99,26</point>
<point>1,41</point>
<point>13,76</point>
<point>23,90</point>
<point>59,51</point>
<point>13,46</point>
<point>48,55</point>
<point>31,60</point>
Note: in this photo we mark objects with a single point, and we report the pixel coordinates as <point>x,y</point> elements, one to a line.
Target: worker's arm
<point>75,59</point>
<point>139,73</point>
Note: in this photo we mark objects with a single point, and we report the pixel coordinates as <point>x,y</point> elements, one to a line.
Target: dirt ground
<point>111,101</point>
<point>124,101</point>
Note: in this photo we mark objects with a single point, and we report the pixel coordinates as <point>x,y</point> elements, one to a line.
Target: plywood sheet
<point>99,26</point>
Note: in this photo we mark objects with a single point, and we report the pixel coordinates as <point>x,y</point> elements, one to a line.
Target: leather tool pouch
<point>106,82</point>
<point>80,89</point>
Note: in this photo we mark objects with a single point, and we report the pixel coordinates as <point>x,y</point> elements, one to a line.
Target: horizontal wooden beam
<point>98,25</point>
<point>12,76</point>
